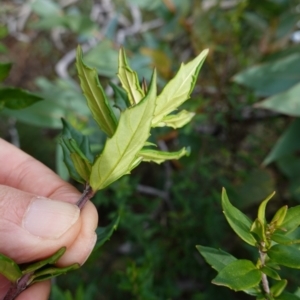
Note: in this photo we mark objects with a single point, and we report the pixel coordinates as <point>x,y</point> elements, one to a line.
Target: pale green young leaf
<point>95,96</point>
<point>82,166</point>
<point>262,210</point>
<point>161,156</point>
<point>217,258</point>
<point>239,275</point>
<point>178,90</point>
<point>120,151</point>
<point>129,80</point>
<point>279,216</point>
<point>278,287</point>
<point>270,272</point>
<point>9,269</point>
<point>259,229</point>
<point>239,222</point>
<point>176,120</point>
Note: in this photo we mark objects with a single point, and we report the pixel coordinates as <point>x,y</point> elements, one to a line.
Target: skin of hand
<point>38,217</point>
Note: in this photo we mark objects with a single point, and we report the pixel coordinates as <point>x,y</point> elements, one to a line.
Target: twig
<point>264,279</point>
<point>87,194</point>
<point>17,288</point>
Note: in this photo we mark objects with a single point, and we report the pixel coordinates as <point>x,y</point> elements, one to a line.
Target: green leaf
<point>288,143</point>
<point>279,216</point>
<point>82,166</point>
<point>4,70</point>
<point>278,288</point>
<point>51,272</point>
<point>69,163</point>
<point>79,142</point>
<point>287,103</point>
<point>287,296</point>
<point>77,154</point>
<point>260,230</point>
<point>239,222</point>
<point>48,261</point>
<point>176,120</point>
<point>17,98</point>
<point>272,77</point>
<point>292,219</point>
<point>161,156</point>
<point>9,269</point>
<point>285,255</point>
<point>104,233</point>
<point>129,80</point>
<point>121,98</point>
<point>262,210</point>
<point>270,272</point>
<point>217,258</point>
<point>95,96</point>
<point>120,151</point>
<point>281,238</point>
<point>239,275</point>
<point>178,90</point>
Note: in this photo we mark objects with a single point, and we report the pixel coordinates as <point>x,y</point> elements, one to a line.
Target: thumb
<point>33,227</point>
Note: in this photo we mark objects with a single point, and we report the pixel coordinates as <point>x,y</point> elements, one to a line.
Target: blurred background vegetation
<point>245,135</point>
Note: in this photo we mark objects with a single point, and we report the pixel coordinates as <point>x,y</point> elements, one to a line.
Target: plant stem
<point>17,288</point>
<point>87,194</point>
<point>264,278</point>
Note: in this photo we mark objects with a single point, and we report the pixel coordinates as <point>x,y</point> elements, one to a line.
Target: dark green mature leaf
<point>17,98</point>
<point>9,269</point>
<point>280,238</point>
<point>104,233</point>
<point>239,275</point>
<point>239,222</point>
<point>217,258</point>
<point>161,156</point>
<point>179,88</point>
<point>82,141</point>
<point>287,296</point>
<point>120,151</point>
<point>286,255</point>
<point>4,70</point>
<point>292,219</point>
<point>288,143</point>
<point>121,97</point>
<point>273,77</point>
<point>48,261</point>
<point>95,96</point>
<point>51,272</point>
<point>129,80</point>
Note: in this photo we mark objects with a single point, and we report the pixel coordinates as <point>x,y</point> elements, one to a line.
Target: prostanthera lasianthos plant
<point>126,145</point>
<point>277,243</point>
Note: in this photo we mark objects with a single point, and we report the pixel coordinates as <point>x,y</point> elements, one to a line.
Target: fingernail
<point>48,218</point>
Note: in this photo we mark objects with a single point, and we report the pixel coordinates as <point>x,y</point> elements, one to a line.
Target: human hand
<point>32,226</point>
